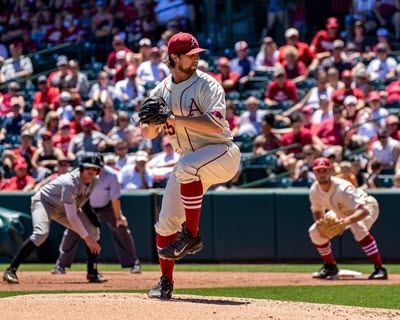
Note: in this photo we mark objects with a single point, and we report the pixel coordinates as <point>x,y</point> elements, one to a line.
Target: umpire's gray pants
<point>41,219</point>
<point>123,241</point>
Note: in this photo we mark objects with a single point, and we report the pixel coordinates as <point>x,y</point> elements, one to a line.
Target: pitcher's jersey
<point>199,95</point>
<point>342,197</point>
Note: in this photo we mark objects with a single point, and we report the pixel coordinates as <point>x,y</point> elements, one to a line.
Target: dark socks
<point>91,261</point>
<point>24,251</point>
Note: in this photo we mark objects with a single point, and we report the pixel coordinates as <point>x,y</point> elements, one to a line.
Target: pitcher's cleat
<point>162,290</point>
<point>10,276</point>
<point>184,245</point>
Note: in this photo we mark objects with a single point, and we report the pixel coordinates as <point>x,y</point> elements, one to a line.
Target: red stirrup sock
<point>192,197</point>
<point>369,246</point>
<point>326,253</point>
<point>167,266</point>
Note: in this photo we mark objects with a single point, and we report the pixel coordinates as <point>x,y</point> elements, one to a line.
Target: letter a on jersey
<point>193,108</point>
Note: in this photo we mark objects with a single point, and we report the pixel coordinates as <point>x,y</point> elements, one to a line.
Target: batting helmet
<point>93,160</point>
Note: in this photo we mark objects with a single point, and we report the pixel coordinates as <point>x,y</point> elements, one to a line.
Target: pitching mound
<point>109,306</point>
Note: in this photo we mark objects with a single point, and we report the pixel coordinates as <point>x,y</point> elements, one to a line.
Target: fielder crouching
<point>61,200</point>
<point>355,209</point>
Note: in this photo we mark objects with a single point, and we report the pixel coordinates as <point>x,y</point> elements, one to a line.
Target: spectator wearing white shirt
<point>122,157</point>
<point>16,67</point>
<point>382,151</point>
<point>383,67</point>
<point>375,113</point>
<point>65,111</point>
<point>153,69</point>
<point>129,90</point>
<point>324,112</point>
<point>137,176</point>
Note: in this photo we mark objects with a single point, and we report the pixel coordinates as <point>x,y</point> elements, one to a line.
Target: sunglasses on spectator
<point>65,127</point>
<point>46,138</point>
<point>122,148</point>
<point>63,164</point>
<point>381,50</point>
<point>123,119</point>
<point>112,163</point>
<point>382,137</point>
<point>13,89</point>
<point>90,168</point>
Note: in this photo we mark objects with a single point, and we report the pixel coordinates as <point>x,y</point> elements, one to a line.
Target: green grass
<point>307,268</point>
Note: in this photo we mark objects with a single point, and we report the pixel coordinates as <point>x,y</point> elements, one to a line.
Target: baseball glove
<point>154,110</point>
<point>330,226</point>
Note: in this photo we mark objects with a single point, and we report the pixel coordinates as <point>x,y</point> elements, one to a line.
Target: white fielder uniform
<point>343,199</point>
<point>211,157</point>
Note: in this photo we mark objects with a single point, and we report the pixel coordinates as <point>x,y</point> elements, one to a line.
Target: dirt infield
<point>109,306</point>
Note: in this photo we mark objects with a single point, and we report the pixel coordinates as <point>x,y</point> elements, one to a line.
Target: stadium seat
<point>306,83</point>
<point>386,181</point>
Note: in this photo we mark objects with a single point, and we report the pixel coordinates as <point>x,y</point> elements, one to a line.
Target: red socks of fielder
<point>192,197</point>
<point>326,253</point>
<point>370,248</point>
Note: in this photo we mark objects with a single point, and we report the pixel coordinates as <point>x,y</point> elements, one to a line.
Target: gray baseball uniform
<point>107,189</point>
<point>48,204</point>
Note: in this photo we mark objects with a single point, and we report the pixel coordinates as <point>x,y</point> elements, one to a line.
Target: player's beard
<point>189,71</point>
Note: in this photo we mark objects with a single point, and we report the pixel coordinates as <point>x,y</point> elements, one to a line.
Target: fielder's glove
<point>154,110</point>
<point>330,226</point>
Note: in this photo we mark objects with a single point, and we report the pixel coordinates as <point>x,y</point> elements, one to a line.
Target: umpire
<point>106,205</point>
<point>61,200</point>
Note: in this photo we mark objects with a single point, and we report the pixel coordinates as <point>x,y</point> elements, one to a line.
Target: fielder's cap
<point>350,100</point>
<point>392,119</point>
<point>42,78</point>
<point>86,121</point>
<point>64,123</point>
<point>184,43</point>
<point>65,96</point>
<point>291,32</point>
<point>241,45</point>
<point>62,61</point>
<point>346,74</point>
<point>223,61</point>
<point>20,163</point>
<point>382,32</point>
<point>332,22</point>
<point>47,133</point>
<point>121,54</point>
<point>322,163</point>
<point>141,156</point>
<point>307,109</point>
<point>26,133</point>
<point>130,70</point>
<point>374,95</point>
<point>145,42</point>
<point>338,44</point>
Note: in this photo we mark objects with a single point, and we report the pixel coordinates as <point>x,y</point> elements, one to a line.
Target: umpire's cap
<point>92,159</point>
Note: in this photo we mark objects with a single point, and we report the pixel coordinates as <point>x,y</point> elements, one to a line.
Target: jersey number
<point>169,129</point>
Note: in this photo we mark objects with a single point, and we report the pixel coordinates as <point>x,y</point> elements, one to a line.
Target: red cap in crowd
<point>86,121</point>
<point>346,74</point>
<point>322,163</point>
<point>47,134</point>
<point>241,45</point>
<point>223,61</point>
<point>374,95</point>
<point>20,163</point>
<point>184,43</point>
<point>332,22</point>
<point>392,119</point>
<point>307,109</point>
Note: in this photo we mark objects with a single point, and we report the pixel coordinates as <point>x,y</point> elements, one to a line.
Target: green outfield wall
<point>236,226</point>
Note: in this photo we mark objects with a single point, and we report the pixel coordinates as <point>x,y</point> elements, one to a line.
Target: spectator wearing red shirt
<point>392,91</point>
<point>323,39</point>
<point>22,181</point>
<point>281,89</point>
<point>118,44</point>
<point>45,94</point>
<point>231,117</point>
<point>266,141</point>
<point>62,138</point>
<point>61,74</point>
<point>339,95</point>
<point>73,31</point>
<point>296,70</point>
<point>299,134</point>
<point>330,131</point>
<point>12,91</point>
<point>121,67</point>
<point>79,113</point>
<point>305,54</point>
<point>227,78</point>
<point>56,34</point>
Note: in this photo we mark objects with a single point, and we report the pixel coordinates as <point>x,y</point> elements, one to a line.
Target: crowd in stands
<point>336,96</point>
